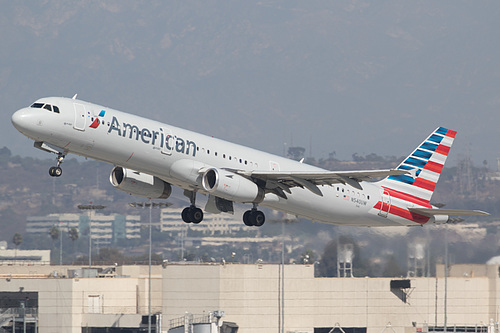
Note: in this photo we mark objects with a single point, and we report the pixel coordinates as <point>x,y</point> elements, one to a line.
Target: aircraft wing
<point>280,181</point>
<point>453,212</point>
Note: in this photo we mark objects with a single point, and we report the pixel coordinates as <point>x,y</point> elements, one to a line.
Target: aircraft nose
<point>22,119</point>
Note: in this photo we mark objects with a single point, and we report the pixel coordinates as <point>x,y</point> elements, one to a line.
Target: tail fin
<point>424,166</point>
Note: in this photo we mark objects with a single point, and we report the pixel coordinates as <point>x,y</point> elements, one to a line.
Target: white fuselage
<point>153,147</point>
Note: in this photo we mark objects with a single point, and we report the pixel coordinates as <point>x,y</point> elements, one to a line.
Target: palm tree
<point>73,235</point>
<point>17,240</point>
<point>54,234</point>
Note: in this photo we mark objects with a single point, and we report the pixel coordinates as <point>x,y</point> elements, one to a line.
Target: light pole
<point>60,244</point>
<point>90,208</point>
<point>445,277</point>
<point>150,205</point>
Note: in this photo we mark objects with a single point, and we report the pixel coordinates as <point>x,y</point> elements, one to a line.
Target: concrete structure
<point>24,257</point>
<point>105,229</point>
<point>250,296</point>
<point>70,304</point>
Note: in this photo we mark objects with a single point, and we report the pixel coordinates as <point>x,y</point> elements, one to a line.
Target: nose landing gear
<point>56,171</point>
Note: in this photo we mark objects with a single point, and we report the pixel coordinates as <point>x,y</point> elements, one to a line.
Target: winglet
<point>74,97</point>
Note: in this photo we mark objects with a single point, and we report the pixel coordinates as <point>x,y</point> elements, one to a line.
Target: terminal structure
<point>244,298</point>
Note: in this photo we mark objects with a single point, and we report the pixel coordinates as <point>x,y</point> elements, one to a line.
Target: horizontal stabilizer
<point>454,212</point>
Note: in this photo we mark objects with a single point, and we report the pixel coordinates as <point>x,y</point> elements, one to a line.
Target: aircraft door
<point>80,117</point>
<point>386,204</point>
<point>168,144</point>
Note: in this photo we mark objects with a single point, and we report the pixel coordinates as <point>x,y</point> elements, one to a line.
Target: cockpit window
<point>48,107</point>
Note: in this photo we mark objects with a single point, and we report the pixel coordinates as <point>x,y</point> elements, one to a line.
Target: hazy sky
<point>345,76</point>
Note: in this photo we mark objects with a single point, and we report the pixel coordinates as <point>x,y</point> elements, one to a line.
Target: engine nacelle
<point>138,183</point>
<point>231,186</point>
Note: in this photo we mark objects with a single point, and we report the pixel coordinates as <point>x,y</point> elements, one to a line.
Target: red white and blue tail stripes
<point>415,189</point>
<point>424,166</point>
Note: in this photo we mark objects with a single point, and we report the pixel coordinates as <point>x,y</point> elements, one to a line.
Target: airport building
<point>245,299</point>
<point>105,229</point>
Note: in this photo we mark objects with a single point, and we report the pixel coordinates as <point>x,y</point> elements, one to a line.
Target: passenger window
<point>48,107</point>
<point>56,109</point>
<point>37,105</point>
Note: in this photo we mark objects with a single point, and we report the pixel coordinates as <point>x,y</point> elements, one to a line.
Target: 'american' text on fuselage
<point>155,138</point>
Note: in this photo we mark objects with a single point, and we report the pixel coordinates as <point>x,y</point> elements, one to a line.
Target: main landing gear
<point>254,217</point>
<point>56,171</point>
<point>192,214</point>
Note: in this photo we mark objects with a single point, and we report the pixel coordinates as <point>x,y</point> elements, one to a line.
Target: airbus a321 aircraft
<point>149,157</point>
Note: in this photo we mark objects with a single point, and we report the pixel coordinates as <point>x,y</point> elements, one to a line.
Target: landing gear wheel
<point>258,218</point>
<point>246,219</point>
<point>254,217</point>
<point>185,215</point>
<point>55,171</point>
<point>192,214</point>
<point>196,215</point>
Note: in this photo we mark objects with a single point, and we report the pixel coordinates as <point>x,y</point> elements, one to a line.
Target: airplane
<point>149,157</point>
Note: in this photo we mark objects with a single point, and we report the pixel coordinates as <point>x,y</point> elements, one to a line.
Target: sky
<point>331,76</point>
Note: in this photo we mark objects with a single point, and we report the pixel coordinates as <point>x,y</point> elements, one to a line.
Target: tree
<point>73,235</point>
<point>296,153</point>
<point>328,262</point>
<point>54,234</point>
<point>17,239</point>
<point>109,255</point>
<point>307,257</point>
<point>392,268</point>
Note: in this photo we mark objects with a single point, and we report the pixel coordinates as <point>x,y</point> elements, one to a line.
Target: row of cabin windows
<point>349,192</point>
<point>48,107</point>
<point>224,156</point>
<point>229,157</point>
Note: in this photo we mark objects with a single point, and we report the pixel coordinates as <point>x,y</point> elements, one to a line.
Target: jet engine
<point>231,186</point>
<point>138,183</point>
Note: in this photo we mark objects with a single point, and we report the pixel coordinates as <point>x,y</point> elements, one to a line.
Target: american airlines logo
<point>158,138</point>
<point>97,121</point>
